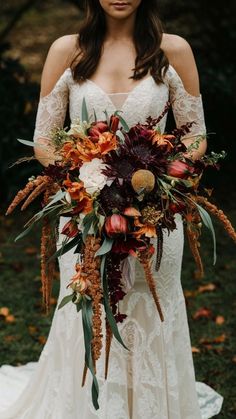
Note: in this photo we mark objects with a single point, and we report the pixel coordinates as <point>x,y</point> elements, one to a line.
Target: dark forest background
<point>27,28</point>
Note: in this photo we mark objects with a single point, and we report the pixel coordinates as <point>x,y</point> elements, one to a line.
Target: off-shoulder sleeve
<point>52,108</point>
<point>186,107</point>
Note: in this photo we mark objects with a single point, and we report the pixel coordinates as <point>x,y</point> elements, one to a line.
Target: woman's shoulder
<point>59,58</point>
<point>64,47</point>
<point>180,56</point>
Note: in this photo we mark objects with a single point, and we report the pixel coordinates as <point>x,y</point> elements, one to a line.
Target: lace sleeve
<point>186,107</point>
<point>52,108</point>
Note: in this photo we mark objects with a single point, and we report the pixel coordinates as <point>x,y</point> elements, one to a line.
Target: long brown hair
<point>148,32</point>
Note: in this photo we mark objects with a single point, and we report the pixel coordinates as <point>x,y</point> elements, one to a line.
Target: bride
<point>121,60</point>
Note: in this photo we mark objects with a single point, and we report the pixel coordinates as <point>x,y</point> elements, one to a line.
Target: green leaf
<point>87,314</point>
<point>105,247</point>
<point>123,123</point>
<point>24,233</point>
<point>31,143</point>
<point>95,116</point>
<point>65,247</point>
<point>206,219</point>
<point>108,310</point>
<point>57,197</point>
<point>84,115</point>
<point>120,135</point>
<point>65,300</point>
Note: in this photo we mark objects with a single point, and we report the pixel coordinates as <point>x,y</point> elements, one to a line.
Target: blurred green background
<point>27,28</point>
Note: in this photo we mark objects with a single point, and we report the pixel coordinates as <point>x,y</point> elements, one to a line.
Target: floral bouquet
<point>120,187</point>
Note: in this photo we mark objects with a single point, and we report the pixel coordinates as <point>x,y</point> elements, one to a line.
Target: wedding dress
<point>156,378</point>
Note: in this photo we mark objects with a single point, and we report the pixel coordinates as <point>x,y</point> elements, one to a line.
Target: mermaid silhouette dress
<point>156,378</point>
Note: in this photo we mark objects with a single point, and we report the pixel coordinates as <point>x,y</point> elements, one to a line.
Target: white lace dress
<point>156,378</point>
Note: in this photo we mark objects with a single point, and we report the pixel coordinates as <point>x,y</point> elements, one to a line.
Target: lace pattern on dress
<point>186,107</point>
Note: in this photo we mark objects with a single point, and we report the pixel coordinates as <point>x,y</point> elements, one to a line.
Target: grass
<point>23,336</point>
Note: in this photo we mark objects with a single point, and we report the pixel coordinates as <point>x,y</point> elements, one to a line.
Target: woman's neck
<point>120,29</point>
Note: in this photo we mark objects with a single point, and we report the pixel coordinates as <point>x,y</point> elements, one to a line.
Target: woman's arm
<point>53,99</point>
<point>185,91</point>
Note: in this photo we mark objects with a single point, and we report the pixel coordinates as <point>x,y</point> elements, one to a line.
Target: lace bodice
<point>146,98</point>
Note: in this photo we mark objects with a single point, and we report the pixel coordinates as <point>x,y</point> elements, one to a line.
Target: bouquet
<point>120,188</point>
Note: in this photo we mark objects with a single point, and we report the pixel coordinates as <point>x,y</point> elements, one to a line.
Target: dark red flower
<point>70,229</point>
<point>97,128</point>
<point>121,246</point>
<point>114,123</point>
<point>116,224</point>
<point>180,169</point>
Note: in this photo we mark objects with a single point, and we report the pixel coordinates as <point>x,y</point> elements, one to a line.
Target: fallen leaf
<point>217,339</point>
<point>234,359</point>
<point>53,301</point>
<point>42,339</point>
<point>202,312</point>
<point>188,293</point>
<point>11,338</point>
<point>195,350</point>
<point>4,311</point>
<point>220,320</point>
<point>32,330</point>
<point>207,287</point>
<point>31,250</point>
<point>10,318</point>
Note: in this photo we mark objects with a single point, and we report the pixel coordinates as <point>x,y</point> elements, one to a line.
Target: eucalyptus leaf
<point>24,232</point>
<point>31,143</point>
<point>120,135</point>
<point>105,247</point>
<point>87,314</point>
<point>123,123</point>
<point>65,247</point>
<point>57,197</point>
<point>65,300</point>
<point>206,219</point>
<point>84,115</point>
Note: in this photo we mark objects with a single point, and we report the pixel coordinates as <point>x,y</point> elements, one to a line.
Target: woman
<point>121,60</point>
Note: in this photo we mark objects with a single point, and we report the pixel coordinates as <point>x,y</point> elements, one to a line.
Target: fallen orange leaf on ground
<point>220,320</point>
<point>217,339</point>
<point>206,287</point>
<point>42,339</point>
<point>31,250</point>
<point>10,318</point>
<point>195,350</point>
<point>4,311</point>
<point>202,312</point>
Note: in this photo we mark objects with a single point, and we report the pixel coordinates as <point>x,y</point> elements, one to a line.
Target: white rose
<point>78,128</point>
<point>92,176</point>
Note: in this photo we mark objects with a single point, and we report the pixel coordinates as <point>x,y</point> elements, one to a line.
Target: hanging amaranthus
<point>219,214</point>
<point>144,258</point>
<point>193,236</point>
<point>31,191</point>
<point>91,271</point>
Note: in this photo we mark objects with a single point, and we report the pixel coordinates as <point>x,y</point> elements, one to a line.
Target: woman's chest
<point>144,100</point>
